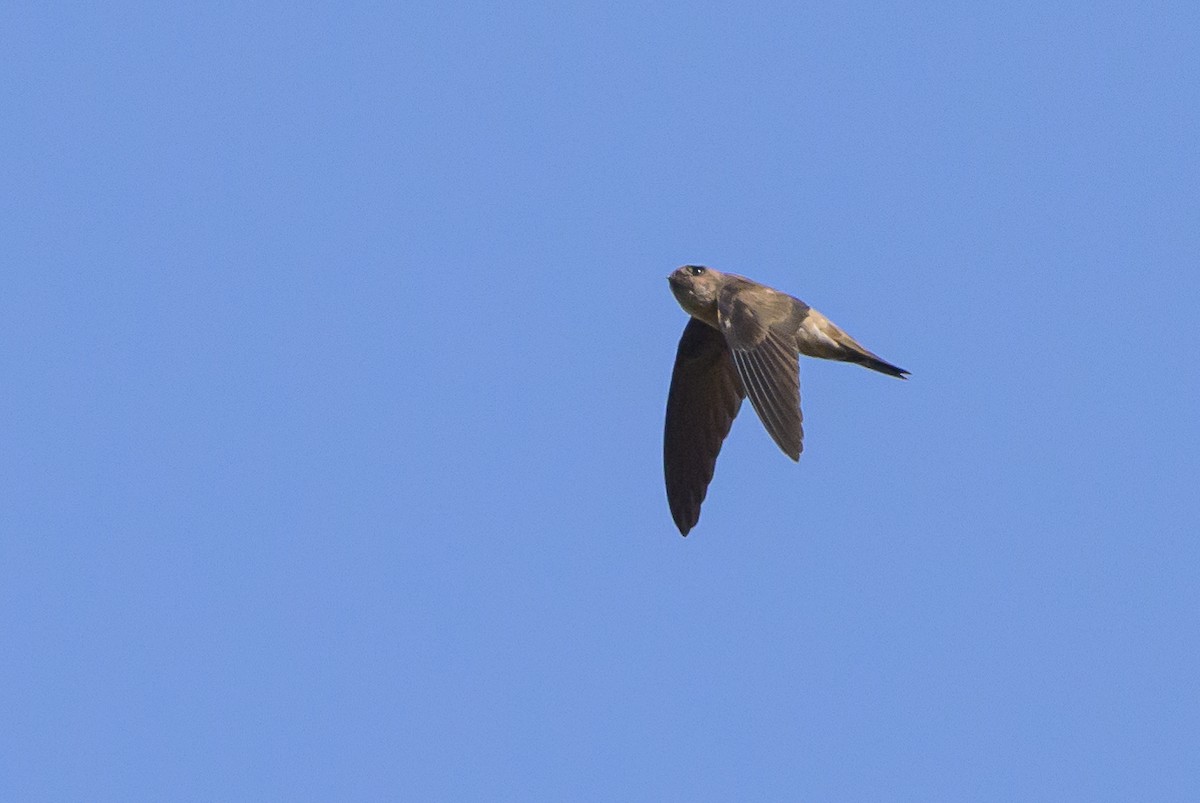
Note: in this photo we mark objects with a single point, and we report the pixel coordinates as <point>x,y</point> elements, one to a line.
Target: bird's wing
<point>760,327</point>
<point>704,399</point>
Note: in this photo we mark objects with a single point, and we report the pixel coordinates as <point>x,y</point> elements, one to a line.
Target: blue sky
<point>337,340</point>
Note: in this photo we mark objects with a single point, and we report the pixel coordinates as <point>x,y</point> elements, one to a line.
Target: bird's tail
<point>869,360</point>
<point>820,337</point>
<point>851,350</point>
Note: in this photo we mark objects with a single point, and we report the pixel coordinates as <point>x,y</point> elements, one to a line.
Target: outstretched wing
<point>760,327</point>
<point>704,399</point>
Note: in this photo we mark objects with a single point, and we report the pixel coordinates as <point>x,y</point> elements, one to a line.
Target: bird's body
<point>744,339</point>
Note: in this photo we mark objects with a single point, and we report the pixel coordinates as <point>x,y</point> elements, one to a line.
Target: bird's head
<point>696,289</point>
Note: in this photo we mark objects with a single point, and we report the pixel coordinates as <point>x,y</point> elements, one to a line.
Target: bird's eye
<point>695,270</point>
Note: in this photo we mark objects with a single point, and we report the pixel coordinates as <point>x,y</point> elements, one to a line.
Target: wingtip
<point>682,524</point>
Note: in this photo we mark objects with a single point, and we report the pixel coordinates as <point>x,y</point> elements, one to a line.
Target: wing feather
<point>705,396</point>
<point>760,327</point>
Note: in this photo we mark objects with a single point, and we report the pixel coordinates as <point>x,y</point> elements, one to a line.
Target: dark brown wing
<point>704,399</point>
<point>760,326</point>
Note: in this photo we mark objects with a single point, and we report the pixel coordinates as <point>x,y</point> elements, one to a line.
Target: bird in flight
<point>743,339</point>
